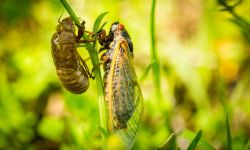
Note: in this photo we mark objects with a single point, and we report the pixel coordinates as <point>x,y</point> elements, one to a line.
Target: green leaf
<point>147,71</point>
<point>169,144</point>
<point>195,141</point>
<point>154,53</point>
<point>98,21</point>
<point>102,25</point>
<point>71,12</point>
<point>189,135</point>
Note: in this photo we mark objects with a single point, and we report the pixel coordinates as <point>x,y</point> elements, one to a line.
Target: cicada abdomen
<point>122,90</point>
<point>70,67</point>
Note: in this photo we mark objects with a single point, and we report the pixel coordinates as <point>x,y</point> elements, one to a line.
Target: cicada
<point>122,91</point>
<point>70,67</point>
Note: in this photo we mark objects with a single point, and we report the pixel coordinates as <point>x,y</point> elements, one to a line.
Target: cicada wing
<point>126,101</point>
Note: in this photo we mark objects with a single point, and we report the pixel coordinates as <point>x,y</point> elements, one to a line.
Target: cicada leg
<point>90,33</point>
<point>86,68</point>
<point>86,40</point>
<point>103,39</point>
<point>103,60</point>
<point>81,31</point>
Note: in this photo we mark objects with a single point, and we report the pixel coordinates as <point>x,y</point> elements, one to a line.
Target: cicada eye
<point>113,27</point>
<point>120,27</point>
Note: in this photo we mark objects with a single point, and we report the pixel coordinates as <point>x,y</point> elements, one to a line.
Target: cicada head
<point>66,25</point>
<point>118,29</point>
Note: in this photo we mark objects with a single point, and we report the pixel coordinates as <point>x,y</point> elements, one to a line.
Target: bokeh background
<point>203,50</point>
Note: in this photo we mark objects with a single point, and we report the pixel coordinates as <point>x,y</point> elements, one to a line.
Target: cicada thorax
<point>122,91</point>
<point>70,68</point>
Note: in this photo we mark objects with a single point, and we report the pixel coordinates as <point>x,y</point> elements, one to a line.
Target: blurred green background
<point>204,73</point>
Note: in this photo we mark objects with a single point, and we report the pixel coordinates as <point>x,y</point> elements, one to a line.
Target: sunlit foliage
<point>203,49</point>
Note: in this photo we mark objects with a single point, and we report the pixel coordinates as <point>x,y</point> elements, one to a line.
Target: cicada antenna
<point>60,17</point>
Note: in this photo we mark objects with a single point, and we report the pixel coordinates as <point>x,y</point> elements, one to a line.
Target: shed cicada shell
<point>122,91</point>
<point>70,67</point>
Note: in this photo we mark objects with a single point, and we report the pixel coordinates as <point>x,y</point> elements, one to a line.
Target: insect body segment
<point>70,68</point>
<point>122,91</point>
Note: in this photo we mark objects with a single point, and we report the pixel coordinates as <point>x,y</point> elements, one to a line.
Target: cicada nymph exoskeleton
<point>122,91</point>
<point>70,67</point>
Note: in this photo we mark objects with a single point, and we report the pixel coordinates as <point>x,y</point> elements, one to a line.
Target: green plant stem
<point>102,105</point>
<point>71,12</point>
<point>154,55</point>
<point>95,62</point>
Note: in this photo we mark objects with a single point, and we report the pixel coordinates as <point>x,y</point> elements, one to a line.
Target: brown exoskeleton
<point>70,67</point>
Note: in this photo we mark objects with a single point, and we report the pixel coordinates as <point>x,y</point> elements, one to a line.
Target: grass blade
<point>195,141</point>
<point>146,71</point>
<point>102,25</point>
<point>229,139</point>
<point>154,56</point>
<point>103,110</point>
<point>189,135</point>
<point>169,144</point>
<point>70,12</point>
<point>95,62</point>
<point>98,21</point>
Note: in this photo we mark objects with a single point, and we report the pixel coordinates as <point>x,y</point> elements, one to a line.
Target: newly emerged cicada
<point>122,91</point>
<point>70,67</point>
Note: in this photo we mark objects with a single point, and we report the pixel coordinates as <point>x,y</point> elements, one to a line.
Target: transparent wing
<point>125,97</point>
